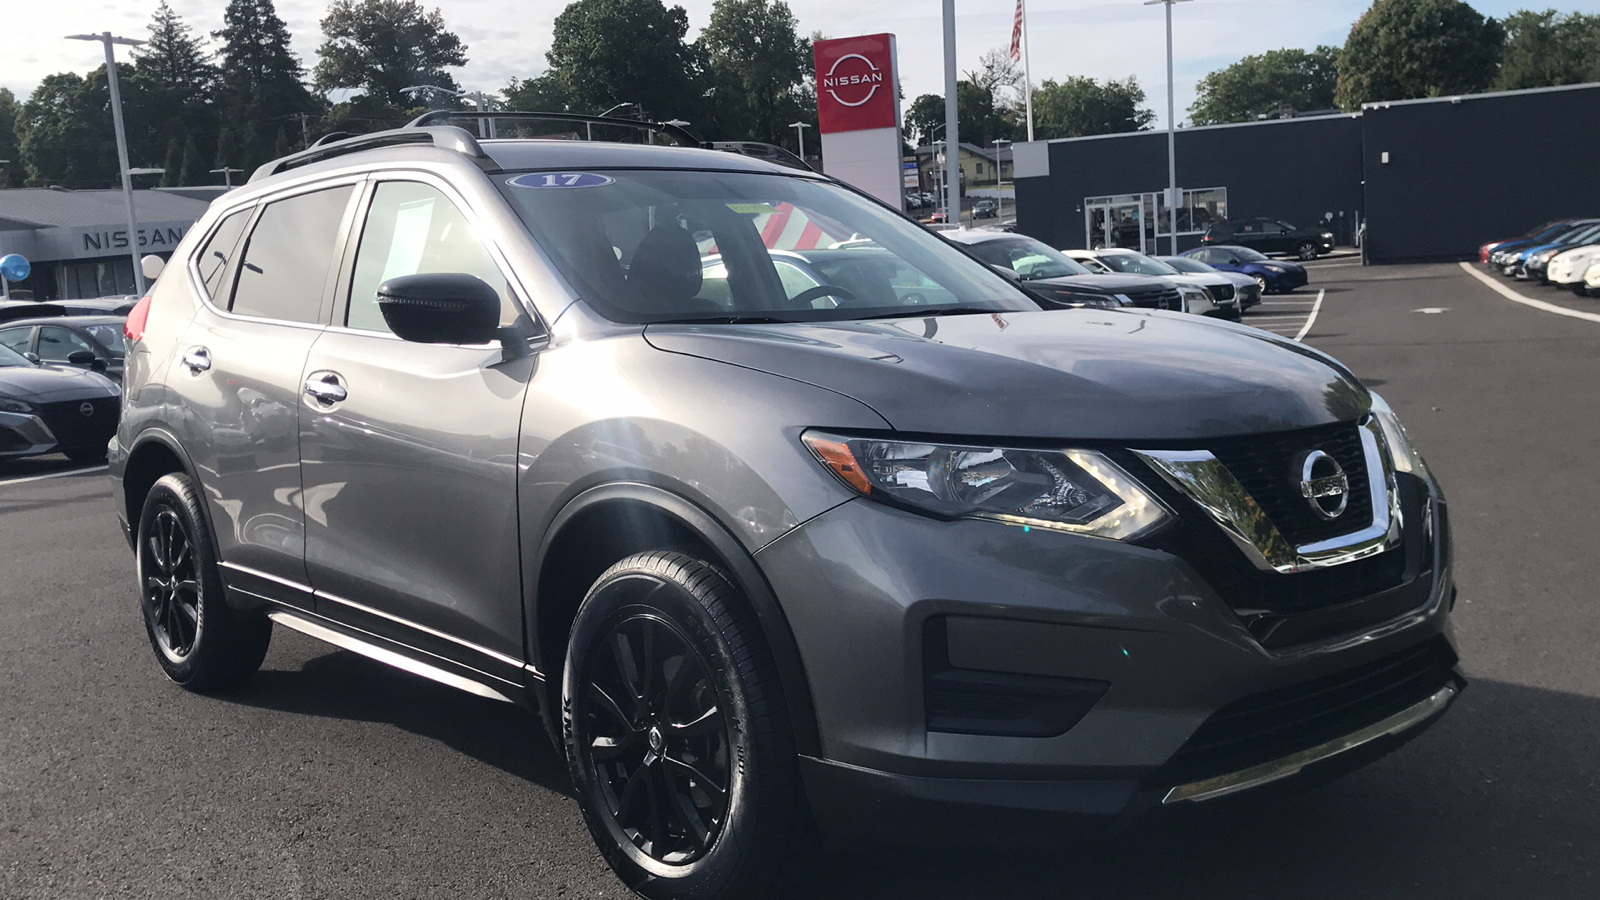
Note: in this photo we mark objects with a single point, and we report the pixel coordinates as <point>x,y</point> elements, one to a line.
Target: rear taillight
<point>133,328</point>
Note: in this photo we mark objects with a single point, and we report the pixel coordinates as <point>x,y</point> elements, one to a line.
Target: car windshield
<point>1136,264</point>
<point>10,358</point>
<point>1245,254</point>
<point>110,337</point>
<point>1187,265</point>
<point>660,246</point>
<point>1029,258</point>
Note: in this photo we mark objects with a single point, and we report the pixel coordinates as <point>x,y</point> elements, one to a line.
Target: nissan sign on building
<point>859,113</point>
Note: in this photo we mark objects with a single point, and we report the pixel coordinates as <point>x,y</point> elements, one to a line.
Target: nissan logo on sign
<point>855,84</point>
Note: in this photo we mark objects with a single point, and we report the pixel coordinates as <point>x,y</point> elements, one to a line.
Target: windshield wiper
<point>724,320</point>
<point>915,313</point>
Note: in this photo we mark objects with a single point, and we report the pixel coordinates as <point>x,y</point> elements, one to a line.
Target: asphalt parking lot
<point>331,776</point>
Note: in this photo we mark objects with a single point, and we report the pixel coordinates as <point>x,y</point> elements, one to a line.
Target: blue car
<point>1530,259</point>
<point>1508,257</point>
<point>1274,276</point>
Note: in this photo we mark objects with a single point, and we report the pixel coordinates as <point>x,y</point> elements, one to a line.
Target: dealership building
<point>1426,179</point>
<point>78,241</point>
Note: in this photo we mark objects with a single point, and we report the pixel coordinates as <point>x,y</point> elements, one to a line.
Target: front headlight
<point>1077,491</point>
<point>13,405</point>
<point>1401,450</point>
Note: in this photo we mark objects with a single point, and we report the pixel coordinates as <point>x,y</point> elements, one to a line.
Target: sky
<point>508,38</point>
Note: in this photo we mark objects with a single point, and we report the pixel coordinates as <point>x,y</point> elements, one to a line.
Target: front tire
<point>1306,250</point>
<point>677,734</point>
<point>1261,280</point>
<point>200,642</point>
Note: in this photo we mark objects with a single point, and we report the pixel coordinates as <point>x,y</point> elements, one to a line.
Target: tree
<point>1081,106</point>
<point>191,170</point>
<point>10,148</point>
<point>175,59</point>
<point>261,79</point>
<point>381,46</point>
<point>996,73</point>
<point>758,65</point>
<point>980,119</point>
<point>229,153</point>
<point>605,52</point>
<point>64,140</point>
<point>1545,49</point>
<point>925,117</point>
<point>172,166</point>
<point>1258,85</point>
<point>541,94</point>
<point>1404,49</point>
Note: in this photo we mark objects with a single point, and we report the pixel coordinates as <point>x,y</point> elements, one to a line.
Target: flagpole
<point>1027,77</point>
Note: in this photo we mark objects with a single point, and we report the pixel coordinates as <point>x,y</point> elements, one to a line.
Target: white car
<point>1201,292</point>
<point>1569,268</point>
<point>1591,281</point>
<point>1245,287</point>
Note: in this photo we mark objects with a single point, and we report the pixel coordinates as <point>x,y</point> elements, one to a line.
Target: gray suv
<point>553,422</point>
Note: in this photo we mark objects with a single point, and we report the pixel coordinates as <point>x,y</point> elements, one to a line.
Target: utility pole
<point>800,135</point>
<point>106,38</point>
<point>952,126</point>
<point>1172,131</point>
<point>1000,179</point>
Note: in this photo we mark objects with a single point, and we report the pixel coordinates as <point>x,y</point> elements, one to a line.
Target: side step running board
<point>383,654</point>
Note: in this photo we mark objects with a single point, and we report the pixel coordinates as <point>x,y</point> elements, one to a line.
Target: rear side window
<point>284,269</point>
<point>214,256</point>
<point>413,229</point>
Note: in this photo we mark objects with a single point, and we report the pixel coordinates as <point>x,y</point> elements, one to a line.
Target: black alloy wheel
<point>199,640</point>
<point>171,588</point>
<point>657,738</point>
<point>677,735</point>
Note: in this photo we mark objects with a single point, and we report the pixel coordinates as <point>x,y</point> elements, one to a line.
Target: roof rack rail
<point>442,116</point>
<point>339,144</point>
<point>772,153</point>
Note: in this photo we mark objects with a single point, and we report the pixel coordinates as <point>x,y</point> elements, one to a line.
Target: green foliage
<point>541,94</point>
<point>11,172</point>
<point>924,117</point>
<point>262,80</point>
<point>1258,85</point>
<point>191,171</point>
<point>1404,49</point>
<point>381,46</point>
<point>1079,106</point>
<point>172,166</point>
<point>1546,49</point>
<point>67,137</point>
<point>605,52</point>
<point>758,65</point>
<point>979,116</point>
<point>363,114</point>
<point>175,59</point>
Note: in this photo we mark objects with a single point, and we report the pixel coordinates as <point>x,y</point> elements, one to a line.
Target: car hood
<point>1099,284</point>
<point>1065,374</point>
<point>47,384</point>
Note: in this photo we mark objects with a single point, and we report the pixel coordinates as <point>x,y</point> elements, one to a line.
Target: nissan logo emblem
<point>86,408</point>
<point>1324,485</point>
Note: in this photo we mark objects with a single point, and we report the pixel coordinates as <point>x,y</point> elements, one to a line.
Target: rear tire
<point>200,642</point>
<point>677,735</point>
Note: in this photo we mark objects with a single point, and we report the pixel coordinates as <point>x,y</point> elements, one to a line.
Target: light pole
<point>800,135</point>
<point>1000,180</point>
<point>478,98</point>
<point>952,127</point>
<point>227,174</point>
<point>1172,131</point>
<point>107,39</point>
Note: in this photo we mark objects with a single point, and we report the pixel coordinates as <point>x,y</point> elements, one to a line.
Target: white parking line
<point>1509,294</point>
<point>52,475</point>
<point>1313,320</point>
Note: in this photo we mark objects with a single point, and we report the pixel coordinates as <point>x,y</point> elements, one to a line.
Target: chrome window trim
<point>1205,480</point>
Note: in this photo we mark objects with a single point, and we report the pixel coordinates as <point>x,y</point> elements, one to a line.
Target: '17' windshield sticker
<point>560,180</point>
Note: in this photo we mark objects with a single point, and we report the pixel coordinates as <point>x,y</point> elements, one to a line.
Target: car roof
<point>66,320</point>
<point>981,235</point>
<point>545,153</point>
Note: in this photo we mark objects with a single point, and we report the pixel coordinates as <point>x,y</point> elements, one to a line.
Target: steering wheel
<point>805,297</point>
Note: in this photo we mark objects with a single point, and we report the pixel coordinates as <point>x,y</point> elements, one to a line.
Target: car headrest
<point>665,271</point>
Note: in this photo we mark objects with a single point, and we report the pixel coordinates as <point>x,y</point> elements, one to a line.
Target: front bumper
<point>24,434</point>
<point>862,584</point>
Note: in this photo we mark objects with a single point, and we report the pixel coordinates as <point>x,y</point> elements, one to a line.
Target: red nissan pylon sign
<point>856,84</point>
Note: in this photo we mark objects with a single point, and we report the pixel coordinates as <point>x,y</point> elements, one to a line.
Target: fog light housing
<point>1000,704</point>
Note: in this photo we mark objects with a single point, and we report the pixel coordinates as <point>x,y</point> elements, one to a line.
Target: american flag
<point>1016,34</point>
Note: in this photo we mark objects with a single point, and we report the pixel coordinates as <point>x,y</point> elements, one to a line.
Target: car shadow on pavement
<point>1499,799</point>
<point>344,685</point>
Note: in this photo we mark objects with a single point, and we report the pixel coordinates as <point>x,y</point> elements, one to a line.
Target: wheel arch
<point>609,522</point>
<point>155,454</point>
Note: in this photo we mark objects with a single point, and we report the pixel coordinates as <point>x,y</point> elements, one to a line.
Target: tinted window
<point>55,344</point>
<point>213,257</point>
<point>412,229</point>
<point>16,338</point>
<point>1271,228</point>
<point>285,265</point>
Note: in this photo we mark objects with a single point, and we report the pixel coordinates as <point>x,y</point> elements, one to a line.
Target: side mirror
<point>82,358</point>
<point>450,308</point>
<point>151,266</point>
<point>32,357</point>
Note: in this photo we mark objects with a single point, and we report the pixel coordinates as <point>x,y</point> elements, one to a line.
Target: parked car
<point>1535,262</point>
<point>1488,249</point>
<point>1202,293</point>
<point>1273,276</point>
<point>1568,269</point>
<point>875,564</point>
<point>1061,280</point>
<point>1591,280</point>
<point>54,409</point>
<point>65,340</point>
<point>1266,235</point>
<point>985,209</point>
<point>1509,259</point>
<point>1244,286</point>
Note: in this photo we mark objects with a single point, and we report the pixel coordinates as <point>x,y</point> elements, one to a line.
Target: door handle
<point>325,388</point>
<point>197,359</point>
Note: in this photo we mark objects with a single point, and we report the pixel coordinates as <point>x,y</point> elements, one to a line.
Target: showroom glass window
<point>284,270</point>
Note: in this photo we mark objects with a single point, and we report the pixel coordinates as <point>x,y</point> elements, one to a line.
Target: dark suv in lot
<point>1270,236</point>
<point>544,421</point>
